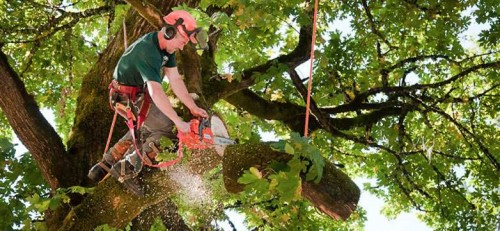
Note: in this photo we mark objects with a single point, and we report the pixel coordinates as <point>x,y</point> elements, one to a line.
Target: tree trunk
<point>33,129</point>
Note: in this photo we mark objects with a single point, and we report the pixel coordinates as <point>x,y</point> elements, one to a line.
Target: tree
<point>399,98</point>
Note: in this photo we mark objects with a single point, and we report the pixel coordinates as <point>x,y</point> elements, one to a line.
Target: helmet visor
<point>201,38</point>
<point>197,36</point>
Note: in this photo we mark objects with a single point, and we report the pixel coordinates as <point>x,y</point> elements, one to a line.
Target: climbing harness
<point>134,115</point>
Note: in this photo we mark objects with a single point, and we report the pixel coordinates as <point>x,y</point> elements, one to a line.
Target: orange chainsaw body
<point>200,135</point>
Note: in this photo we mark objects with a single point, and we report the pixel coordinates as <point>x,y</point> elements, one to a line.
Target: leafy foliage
<point>19,180</point>
<point>403,97</point>
<point>300,148</point>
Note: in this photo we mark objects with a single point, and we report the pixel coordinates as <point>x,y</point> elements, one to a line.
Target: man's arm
<point>179,88</point>
<point>163,103</point>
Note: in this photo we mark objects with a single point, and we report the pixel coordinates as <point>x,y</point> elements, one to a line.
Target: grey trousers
<point>155,126</point>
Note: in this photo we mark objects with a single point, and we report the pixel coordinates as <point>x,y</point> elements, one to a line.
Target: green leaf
<point>248,178</point>
<point>81,190</point>
<point>54,203</point>
<point>289,149</point>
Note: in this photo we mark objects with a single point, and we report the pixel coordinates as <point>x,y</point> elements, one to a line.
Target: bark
<point>336,194</point>
<point>166,211</point>
<point>33,129</point>
<point>293,115</point>
<point>117,207</point>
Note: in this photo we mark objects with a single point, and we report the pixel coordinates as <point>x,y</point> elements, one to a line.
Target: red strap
<point>110,132</point>
<point>130,90</point>
<point>130,125</point>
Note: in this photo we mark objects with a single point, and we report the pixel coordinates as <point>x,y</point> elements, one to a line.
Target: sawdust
<point>192,188</point>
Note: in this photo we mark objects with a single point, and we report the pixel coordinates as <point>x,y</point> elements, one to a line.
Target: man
<point>137,74</point>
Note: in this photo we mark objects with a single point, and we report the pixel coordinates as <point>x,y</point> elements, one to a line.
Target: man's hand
<point>199,112</point>
<point>182,127</point>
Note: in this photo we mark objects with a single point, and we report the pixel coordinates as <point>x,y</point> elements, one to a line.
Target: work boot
<point>99,171</point>
<point>124,172</point>
<point>114,154</point>
<point>119,149</point>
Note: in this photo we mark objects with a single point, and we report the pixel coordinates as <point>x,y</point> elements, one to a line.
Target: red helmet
<point>184,22</point>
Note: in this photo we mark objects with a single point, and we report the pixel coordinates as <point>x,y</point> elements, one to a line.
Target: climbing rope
<point>309,85</point>
<point>125,45</point>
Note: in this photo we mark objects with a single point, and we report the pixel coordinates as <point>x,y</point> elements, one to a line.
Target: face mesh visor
<point>201,37</point>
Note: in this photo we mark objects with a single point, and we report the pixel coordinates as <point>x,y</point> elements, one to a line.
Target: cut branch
<point>336,194</point>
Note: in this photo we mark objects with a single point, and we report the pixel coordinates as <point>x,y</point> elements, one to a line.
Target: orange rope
<point>110,132</point>
<point>116,112</point>
<point>309,85</point>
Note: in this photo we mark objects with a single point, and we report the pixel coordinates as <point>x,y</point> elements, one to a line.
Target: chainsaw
<point>201,135</point>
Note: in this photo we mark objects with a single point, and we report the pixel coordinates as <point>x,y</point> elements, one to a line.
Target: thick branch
<point>299,55</point>
<point>362,96</point>
<point>336,194</point>
<point>406,61</point>
<point>322,118</point>
<point>148,12</point>
<point>167,211</point>
<point>293,115</point>
<point>117,207</point>
<point>33,129</point>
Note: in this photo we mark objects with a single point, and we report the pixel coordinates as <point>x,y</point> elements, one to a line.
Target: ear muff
<point>171,30</point>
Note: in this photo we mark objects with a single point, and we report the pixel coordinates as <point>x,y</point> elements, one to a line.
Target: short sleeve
<point>170,61</point>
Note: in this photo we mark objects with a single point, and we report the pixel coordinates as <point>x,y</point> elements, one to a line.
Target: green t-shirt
<point>142,62</point>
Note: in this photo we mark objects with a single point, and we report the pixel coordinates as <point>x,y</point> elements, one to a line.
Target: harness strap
<point>143,112</point>
<point>110,132</point>
<point>130,90</point>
